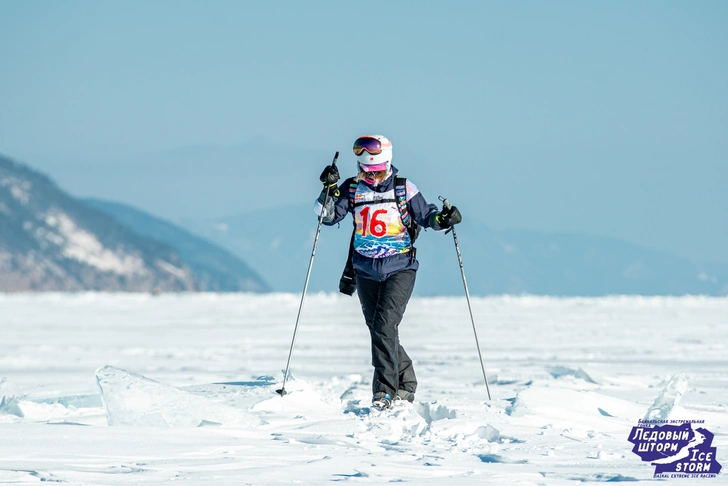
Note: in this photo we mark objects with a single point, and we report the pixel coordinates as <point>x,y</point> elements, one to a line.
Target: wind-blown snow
<point>135,389</point>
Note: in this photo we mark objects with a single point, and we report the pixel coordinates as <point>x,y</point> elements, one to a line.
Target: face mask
<point>370,178</point>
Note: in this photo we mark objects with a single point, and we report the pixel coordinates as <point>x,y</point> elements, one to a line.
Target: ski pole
<point>446,204</point>
<point>282,391</point>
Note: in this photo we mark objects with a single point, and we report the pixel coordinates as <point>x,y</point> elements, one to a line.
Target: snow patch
<point>300,397</point>
<point>19,189</point>
<point>132,399</point>
<point>390,427</point>
<point>171,269</point>
<point>83,246</point>
<point>567,405</point>
<point>38,412</point>
<point>43,234</point>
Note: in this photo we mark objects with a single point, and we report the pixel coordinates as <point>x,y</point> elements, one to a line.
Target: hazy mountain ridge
<point>582,264</point>
<point>496,262</point>
<point>216,268</point>
<point>137,251</point>
<point>51,241</point>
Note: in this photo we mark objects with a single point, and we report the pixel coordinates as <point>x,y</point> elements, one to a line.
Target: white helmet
<point>373,153</point>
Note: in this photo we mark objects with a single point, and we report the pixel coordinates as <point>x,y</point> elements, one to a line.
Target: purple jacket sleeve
<point>423,213</point>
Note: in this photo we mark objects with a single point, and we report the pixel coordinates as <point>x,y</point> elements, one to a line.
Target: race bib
<point>379,229</point>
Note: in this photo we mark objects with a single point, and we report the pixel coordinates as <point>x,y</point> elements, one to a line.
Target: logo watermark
<point>676,448</point>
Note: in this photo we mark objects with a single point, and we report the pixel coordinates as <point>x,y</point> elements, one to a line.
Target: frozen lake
<point>188,386</point>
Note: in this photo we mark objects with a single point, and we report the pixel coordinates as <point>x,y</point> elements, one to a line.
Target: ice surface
<point>570,378</point>
<point>132,399</point>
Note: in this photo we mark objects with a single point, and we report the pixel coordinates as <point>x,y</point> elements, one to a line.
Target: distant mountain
<point>216,269</point>
<point>52,241</point>
<point>535,262</point>
<point>279,242</point>
<point>496,262</point>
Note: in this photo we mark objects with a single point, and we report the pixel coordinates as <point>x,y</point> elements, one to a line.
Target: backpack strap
<point>353,185</point>
<point>400,192</point>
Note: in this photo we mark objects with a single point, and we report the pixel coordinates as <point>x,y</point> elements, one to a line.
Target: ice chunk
<point>434,411</point>
<point>489,433</point>
<point>132,399</point>
<point>668,398</point>
<point>9,405</point>
<point>580,373</point>
<point>9,397</point>
<point>562,371</point>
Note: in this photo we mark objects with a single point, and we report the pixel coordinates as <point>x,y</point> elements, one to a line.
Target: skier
<point>383,258</point>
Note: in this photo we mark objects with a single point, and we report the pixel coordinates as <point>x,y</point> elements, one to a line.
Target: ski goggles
<point>368,144</point>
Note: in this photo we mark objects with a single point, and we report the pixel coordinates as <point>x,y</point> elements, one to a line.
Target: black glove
<point>448,217</point>
<point>329,177</point>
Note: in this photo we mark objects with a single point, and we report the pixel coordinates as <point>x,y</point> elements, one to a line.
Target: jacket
<point>379,268</point>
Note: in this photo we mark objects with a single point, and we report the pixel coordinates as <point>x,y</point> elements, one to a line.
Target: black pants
<point>383,304</point>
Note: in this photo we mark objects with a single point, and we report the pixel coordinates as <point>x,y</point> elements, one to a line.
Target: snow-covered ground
<point>134,389</point>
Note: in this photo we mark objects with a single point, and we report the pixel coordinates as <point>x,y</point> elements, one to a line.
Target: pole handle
<point>445,203</point>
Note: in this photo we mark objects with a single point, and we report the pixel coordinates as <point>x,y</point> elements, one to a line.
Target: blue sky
<point>602,117</point>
